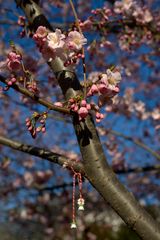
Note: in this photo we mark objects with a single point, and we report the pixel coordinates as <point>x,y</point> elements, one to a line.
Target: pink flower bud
<point>10,83</point>
<point>101,115</point>
<point>73,106</point>
<point>42,121</point>
<point>71,100</point>
<point>88,107</point>
<point>33,134</point>
<point>38,129</point>
<point>94,89</point>
<point>30,128</point>
<point>13,80</point>
<point>75,109</point>
<point>83,112</point>
<point>116,89</point>
<point>89,93</point>
<point>28,124</point>
<point>27,120</point>
<point>98,115</point>
<point>41,32</point>
<point>43,130</point>
<point>83,103</point>
<point>102,88</point>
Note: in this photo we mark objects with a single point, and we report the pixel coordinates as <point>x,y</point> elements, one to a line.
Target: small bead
<point>73,225</point>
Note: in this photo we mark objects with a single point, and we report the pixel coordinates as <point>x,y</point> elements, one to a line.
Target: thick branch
<point>96,167</point>
<point>42,153</point>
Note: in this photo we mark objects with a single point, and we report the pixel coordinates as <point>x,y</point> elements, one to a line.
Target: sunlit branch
<point>36,98</point>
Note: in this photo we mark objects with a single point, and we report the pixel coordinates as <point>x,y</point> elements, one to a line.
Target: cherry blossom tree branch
<point>36,98</point>
<point>135,141</point>
<point>42,153</point>
<point>96,167</point>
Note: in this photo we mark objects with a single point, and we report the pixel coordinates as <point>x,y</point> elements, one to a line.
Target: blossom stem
<point>83,51</point>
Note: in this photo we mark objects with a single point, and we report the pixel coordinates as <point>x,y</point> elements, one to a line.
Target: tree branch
<point>136,141</point>
<point>43,153</point>
<point>36,98</point>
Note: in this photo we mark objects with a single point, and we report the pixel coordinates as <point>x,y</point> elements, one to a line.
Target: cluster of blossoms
<point>82,108</point>
<point>10,82</point>
<point>13,61</point>
<point>142,17</point>
<point>97,20</point>
<point>128,106</point>
<point>13,64</point>
<point>122,14</point>
<point>131,8</point>
<point>18,72</point>
<point>105,85</point>
<point>36,118</point>
<point>56,44</point>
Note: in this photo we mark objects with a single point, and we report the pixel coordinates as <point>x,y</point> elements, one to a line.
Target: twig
<point>36,98</point>
<point>136,141</point>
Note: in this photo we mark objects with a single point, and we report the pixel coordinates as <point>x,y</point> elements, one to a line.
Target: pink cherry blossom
<point>86,25</point>
<point>113,77</point>
<point>75,40</point>
<point>83,112</point>
<point>99,117</point>
<point>14,61</point>
<point>40,36</point>
<point>75,109</point>
<point>55,39</point>
<point>41,32</point>
<point>102,88</point>
<point>21,21</point>
<point>104,79</point>
<point>93,90</point>
<point>88,106</point>
<point>83,103</point>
